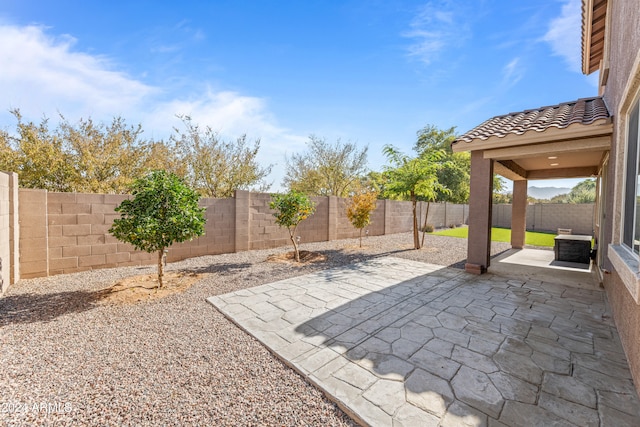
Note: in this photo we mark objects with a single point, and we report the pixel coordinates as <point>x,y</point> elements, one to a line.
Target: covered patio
<point>568,140</point>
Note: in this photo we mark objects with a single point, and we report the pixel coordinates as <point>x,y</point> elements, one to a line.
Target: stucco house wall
<point>620,91</point>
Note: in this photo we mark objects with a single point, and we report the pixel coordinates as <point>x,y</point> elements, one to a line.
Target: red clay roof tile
<point>584,111</point>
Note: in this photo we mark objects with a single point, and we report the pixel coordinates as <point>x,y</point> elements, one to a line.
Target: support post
<point>519,214</point>
<point>480,207</point>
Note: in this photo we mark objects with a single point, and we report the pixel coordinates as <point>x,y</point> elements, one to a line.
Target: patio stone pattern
<point>403,343</point>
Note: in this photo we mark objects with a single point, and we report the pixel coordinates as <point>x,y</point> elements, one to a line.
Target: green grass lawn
<point>502,235</point>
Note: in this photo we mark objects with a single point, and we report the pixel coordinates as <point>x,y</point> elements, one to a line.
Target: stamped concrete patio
<point>403,343</point>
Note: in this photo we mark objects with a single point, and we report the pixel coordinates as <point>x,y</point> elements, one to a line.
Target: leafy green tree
<point>413,178</point>
<point>291,209</point>
<point>39,157</point>
<point>106,159</point>
<point>583,192</point>
<point>502,198</point>
<point>216,168</point>
<point>163,210</point>
<point>83,157</point>
<point>326,169</point>
<point>360,208</point>
<point>454,170</point>
<point>377,182</point>
<point>7,153</point>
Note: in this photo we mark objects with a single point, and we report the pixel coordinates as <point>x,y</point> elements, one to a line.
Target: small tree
<point>412,178</point>
<point>164,210</point>
<point>290,209</point>
<point>360,208</point>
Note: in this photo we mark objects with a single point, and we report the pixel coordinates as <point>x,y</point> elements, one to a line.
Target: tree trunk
<point>160,268</point>
<point>292,236</point>
<point>424,229</point>
<point>416,237</point>
<point>361,237</point>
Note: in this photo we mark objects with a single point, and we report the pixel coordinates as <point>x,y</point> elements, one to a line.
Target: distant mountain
<point>546,193</point>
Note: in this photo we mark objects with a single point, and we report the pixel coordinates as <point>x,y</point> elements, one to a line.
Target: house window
<point>631,213</point>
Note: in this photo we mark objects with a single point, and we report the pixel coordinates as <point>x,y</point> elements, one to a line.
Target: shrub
<point>290,209</point>
<point>164,210</point>
<point>428,228</point>
<point>360,208</point>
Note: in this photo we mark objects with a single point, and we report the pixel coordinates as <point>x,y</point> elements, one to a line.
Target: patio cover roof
<point>567,140</point>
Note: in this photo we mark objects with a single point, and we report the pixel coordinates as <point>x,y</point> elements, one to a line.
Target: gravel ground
<point>67,360</point>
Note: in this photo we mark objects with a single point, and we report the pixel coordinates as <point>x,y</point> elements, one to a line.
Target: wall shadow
<point>32,307</point>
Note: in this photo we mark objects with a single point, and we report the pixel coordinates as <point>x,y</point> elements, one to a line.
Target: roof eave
<point>601,127</point>
<point>587,14</point>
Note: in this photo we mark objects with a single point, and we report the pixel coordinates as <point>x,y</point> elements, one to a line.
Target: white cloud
<point>435,28</point>
<point>43,74</point>
<point>232,115</point>
<point>564,34</point>
<point>512,72</point>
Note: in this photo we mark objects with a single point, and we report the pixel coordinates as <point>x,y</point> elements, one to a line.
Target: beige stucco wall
<point>623,49</point>
<point>620,91</point>
<point>626,314</point>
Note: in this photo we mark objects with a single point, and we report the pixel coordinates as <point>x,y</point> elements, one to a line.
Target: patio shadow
<point>398,341</point>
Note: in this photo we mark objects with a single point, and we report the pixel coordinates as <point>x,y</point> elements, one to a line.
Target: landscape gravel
<point>66,359</point>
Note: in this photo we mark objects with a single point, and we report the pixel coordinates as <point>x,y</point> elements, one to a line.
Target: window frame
<point>630,210</point>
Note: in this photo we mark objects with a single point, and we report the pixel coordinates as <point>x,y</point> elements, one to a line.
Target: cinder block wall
<point>442,215</point>
<point>9,231</point>
<point>346,230</point>
<point>316,227</point>
<point>69,232</point>
<point>14,228</point>
<point>79,236</point>
<point>5,254</point>
<point>219,237</point>
<point>264,233</point>
<point>398,217</point>
<point>548,217</point>
<point>32,211</point>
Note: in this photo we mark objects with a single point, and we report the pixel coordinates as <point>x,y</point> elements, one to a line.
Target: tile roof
<point>583,111</point>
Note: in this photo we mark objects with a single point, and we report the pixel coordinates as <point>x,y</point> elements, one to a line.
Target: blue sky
<point>368,71</point>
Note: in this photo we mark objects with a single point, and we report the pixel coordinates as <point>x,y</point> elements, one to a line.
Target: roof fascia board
<point>587,19</point>
<point>552,134</point>
<point>588,144</point>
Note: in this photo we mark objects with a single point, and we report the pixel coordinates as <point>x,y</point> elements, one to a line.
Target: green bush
<point>290,209</point>
<point>428,228</point>
<point>164,210</point>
